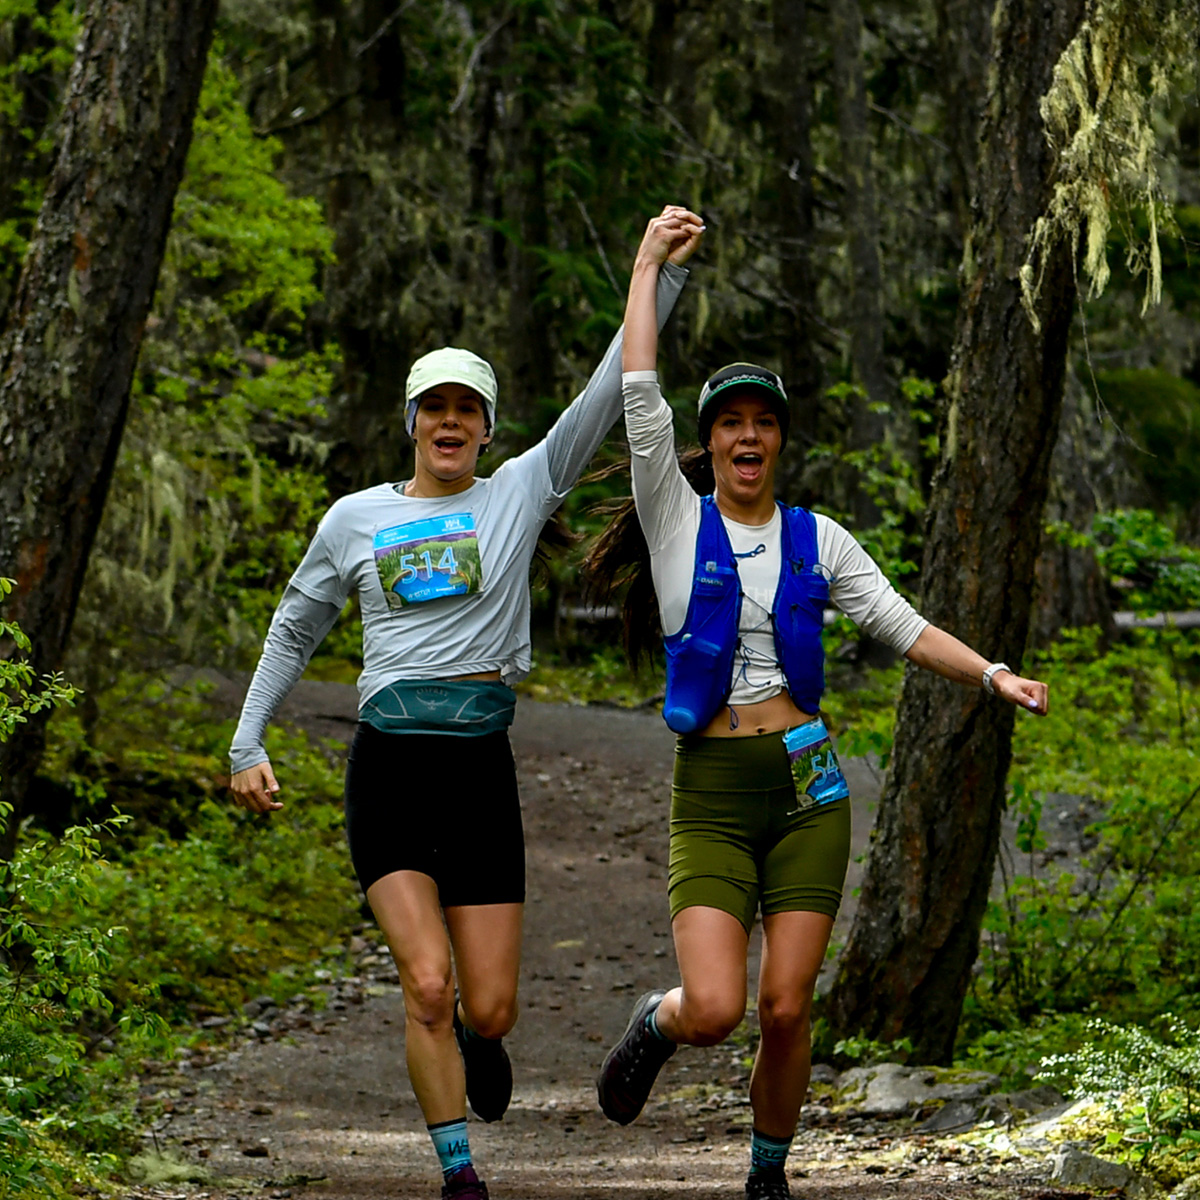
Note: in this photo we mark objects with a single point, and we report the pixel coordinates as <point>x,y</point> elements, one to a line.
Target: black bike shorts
<point>441,804</point>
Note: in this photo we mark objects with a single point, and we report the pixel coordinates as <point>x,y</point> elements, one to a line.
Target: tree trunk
<point>864,314</point>
<point>1071,592</point>
<point>364,126</point>
<point>68,352</point>
<point>530,354</point>
<point>905,969</point>
<point>797,279</point>
<point>964,34</point>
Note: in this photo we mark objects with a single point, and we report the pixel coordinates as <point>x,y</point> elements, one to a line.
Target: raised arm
<point>577,434</point>
<point>666,503</point>
<point>671,237</point>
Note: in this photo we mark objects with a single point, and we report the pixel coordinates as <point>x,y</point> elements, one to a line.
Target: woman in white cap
<point>440,563</point>
<point>760,816</point>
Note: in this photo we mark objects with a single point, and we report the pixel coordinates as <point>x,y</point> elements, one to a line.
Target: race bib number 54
<point>428,559</point>
<point>816,771</point>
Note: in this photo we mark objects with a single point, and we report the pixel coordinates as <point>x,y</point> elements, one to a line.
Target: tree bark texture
<point>906,967</point>
<point>1071,591</point>
<point>964,34</point>
<point>531,362</point>
<point>69,349</point>
<point>797,278</point>
<point>364,131</point>
<point>864,315</point>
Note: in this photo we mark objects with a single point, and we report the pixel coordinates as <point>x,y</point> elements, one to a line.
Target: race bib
<point>428,559</point>
<point>816,771</point>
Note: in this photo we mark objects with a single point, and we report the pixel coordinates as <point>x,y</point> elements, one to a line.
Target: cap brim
<point>452,378</point>
<point>756,385</point>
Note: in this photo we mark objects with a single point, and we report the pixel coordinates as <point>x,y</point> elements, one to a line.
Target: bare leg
<point>710,945</point>
<point>487,960</point>
<point>794,945</point>
<point>406,906</point>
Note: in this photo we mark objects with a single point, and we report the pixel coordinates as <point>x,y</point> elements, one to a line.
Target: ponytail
<point>618,559</point>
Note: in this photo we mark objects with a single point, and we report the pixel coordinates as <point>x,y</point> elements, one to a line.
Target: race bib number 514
<point>428,559</point>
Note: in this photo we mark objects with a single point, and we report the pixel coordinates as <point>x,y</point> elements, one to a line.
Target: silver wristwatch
<point>989,672</point>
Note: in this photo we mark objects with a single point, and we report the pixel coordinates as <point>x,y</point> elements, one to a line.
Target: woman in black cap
<point>760,815</point>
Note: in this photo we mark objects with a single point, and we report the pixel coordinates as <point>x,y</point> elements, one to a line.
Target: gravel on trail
<point>318,1104</point>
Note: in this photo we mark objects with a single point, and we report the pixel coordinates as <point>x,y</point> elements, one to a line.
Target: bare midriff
<point>491,675</point>
<point>768,716</point>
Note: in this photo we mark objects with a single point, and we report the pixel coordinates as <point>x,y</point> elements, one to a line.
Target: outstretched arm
<point>941,652</point>
<point>577,434</point>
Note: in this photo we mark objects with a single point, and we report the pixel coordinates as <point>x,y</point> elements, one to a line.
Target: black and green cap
<point>742,377</point>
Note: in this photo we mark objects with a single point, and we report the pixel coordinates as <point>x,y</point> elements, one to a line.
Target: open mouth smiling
<point>747,464</point>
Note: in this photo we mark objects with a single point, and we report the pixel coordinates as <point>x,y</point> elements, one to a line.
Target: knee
<point>708,1020</point>
<point>429,999</point>
<point>493,1017</point>
<point>785,1015</point>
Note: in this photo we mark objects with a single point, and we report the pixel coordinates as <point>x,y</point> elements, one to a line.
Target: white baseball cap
<point>449,365</point>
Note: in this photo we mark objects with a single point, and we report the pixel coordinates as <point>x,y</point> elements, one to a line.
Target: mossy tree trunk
<point>906,967</point>
<point>68,351</point>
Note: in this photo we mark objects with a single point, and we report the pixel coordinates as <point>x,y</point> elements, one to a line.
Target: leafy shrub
<point>1121,928</point>
<point>1150,1084</point>
<point>1143,561</point>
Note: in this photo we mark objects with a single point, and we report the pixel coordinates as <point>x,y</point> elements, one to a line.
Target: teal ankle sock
<point>652,1025</point>
<point>450,1142</point>
<point>767,1154</point>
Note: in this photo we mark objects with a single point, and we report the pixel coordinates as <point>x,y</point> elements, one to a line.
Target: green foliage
<point>21,694</point>
<point>866,1052</point>
<point>1016,1052</point>
<point>888,475</point>
<point>218,487</point>
<point>1150,1083</point>
<point>1118,927</point>
<point>54,980</point>
<point>1160,411</point>
<point>36,47</point>
<point>603,677</point>
<point>1143,560</point>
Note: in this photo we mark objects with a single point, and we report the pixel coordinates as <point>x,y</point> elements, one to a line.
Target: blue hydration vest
<point>700,655</point>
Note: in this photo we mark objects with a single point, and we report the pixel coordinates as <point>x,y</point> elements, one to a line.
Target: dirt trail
<point>333,1101</point>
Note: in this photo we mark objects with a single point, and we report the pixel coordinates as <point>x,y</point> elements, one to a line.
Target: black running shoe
<point>464,1185</point>
<point>767,1187</point>
<point>488,1071</point>
<point>633,1064</point>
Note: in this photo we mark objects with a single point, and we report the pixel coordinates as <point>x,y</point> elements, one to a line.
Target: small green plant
<point>1150,1084</point>
<point>866,1052</point>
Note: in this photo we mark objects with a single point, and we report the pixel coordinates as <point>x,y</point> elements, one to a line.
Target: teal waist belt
<point>467,707</point>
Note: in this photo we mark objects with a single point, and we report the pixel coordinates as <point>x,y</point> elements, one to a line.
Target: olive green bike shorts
<point>739,839</point>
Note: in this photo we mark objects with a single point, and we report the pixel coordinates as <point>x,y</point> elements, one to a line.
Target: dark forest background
<point>962,231</point>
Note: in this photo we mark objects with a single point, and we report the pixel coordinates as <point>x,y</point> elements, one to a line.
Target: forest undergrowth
<point>157,906</point>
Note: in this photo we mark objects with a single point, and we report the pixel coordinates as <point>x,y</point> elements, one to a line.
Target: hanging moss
<point>1111,88</point>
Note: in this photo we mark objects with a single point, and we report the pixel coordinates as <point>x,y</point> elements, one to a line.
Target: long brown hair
<point>617,562</point>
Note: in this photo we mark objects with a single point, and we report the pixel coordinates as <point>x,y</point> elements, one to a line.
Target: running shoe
<point>464,1185</point>
<point>488,1071</point>
<point>767,1187</point>
<point>633,1064</point>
